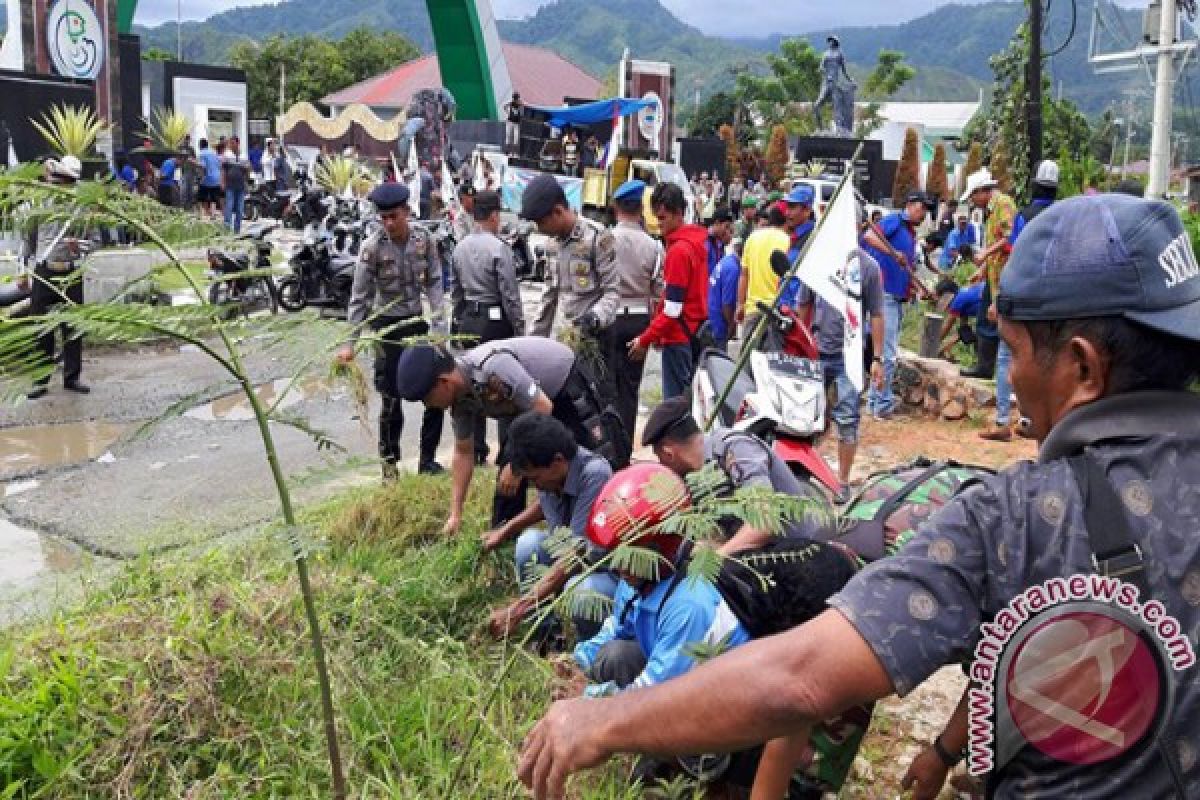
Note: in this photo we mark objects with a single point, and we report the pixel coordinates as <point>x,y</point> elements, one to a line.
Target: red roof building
<point>543,78</point>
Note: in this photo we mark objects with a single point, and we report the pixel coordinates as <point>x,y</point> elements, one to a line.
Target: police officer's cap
<point>672,416</point>
<point>630,190</point>
<point>541,196</point>
<point>417,370</point>
<point>388,196</point>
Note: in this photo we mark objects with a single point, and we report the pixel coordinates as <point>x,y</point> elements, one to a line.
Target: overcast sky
<point>711,16</point>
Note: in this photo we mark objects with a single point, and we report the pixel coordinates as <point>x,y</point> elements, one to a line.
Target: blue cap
<point>1131,257</point>
<point>387,196</point>
<point>540,197</point>
<point>417,370</point>
<point>630,190</point>
<point>801,194</point>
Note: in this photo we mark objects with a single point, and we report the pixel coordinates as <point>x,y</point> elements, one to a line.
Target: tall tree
<point>781,97</point>
<point>890,73</point>
<point>777,156</point>
<point>974,164</point>
<point>1001,166</point>
<point>936,182</point>
<point>314,66</point>
<point>717,110</point>
<point>908,171</point>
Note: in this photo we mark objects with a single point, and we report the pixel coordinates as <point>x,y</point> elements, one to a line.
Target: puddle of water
<point>235,407</point>
<point>23,449</point>
<point>28,559</point>
<point>20,487</point>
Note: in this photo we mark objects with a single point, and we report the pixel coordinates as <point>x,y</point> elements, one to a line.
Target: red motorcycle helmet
<point>635,501</point>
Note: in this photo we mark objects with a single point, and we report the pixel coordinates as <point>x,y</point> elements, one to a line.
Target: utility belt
<point>473,308</point>
<point>633,309</point>
<point>607,434</point>
<point>56,267</point>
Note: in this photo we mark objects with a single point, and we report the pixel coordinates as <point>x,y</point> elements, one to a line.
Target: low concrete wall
<point>109,270</point>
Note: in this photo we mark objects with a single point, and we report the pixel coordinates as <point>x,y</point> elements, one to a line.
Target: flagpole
<point>760,329</point>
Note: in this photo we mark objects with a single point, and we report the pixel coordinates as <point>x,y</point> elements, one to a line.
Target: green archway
<point>468,50</point>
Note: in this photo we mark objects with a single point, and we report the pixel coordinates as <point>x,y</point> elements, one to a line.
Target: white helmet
<point>1047,174</point>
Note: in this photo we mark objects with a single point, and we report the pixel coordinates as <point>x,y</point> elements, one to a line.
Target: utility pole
<point>1164,90</point>
<point>179,30</point>
<point>1033,87</point>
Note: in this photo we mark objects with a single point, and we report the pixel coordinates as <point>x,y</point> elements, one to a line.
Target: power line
<point>1071,35</point>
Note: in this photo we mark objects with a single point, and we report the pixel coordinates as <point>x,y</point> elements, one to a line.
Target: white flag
<point>449,192</point>
<point>831,270</point>
<point>414,181</point>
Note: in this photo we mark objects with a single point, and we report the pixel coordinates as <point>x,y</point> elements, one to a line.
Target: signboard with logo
<point>75,39</point>
<point>649,80</point>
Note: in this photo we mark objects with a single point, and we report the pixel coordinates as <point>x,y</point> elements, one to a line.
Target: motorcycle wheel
<point>291,295</point>
<point>252,210</point>
<point>218,293</point>
<point>270,294</point>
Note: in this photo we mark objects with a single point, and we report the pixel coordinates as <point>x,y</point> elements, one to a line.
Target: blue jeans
<point>531,553</point>
<point>845,412</point>
<point>883,401</point>
<point>677,368</point>
<point>235,200</point>
<point>1003,386</point>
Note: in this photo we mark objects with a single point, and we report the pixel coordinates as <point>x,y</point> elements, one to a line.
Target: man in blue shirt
<point>168,183</point>
<point>963,233</point>
<point>209,194</point>
<point>892,243</point>
<point>568,478</point>
<point>722,297</point>
<point>720,234</point>
<point>801,222</point>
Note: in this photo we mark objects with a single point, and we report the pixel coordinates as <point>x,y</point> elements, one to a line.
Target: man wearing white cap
<point>54,255</point>
<point>1001,214</point>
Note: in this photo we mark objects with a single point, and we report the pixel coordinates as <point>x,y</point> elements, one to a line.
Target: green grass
<point>191,677</point>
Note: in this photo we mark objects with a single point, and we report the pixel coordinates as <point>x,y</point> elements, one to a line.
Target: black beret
<point>417,370</point>
<point>486,202</point>
<point>675,413</point>
<point>387,196</point>
<point>540,197</point>
<point>721,215</point>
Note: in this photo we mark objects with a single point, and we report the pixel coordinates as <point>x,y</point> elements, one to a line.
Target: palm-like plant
<point>70,130</point>
<point>167,128</point>
<point>338,174</point>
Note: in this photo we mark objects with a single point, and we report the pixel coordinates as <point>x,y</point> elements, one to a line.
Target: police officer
<point>639,267</point>
<point>55,255</point>
<point>1005,575</point>
<point>487,299</point>
<point>464,222</point>
<point>394,267</point>
<point>581,280</point>
<point>746,460</point>
<point>501,380</point>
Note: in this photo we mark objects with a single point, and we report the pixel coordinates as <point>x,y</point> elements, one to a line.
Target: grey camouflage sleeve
<point>921,608</point>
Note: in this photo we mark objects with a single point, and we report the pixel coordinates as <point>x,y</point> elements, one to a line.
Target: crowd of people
<point>1086,368</point>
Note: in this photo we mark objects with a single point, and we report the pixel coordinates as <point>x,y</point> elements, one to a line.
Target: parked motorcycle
<point>779,398</point>
<point>306,206</point>
<point>247,294</point>
<point>265,202</point>
<point>319,278</point>
<point>14,298</point>
<point>529,252</point>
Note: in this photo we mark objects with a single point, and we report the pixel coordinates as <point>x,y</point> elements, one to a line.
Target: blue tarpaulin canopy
<point>591,113</point>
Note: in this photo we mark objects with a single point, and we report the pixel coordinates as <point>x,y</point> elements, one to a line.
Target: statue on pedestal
<point>833,68</point>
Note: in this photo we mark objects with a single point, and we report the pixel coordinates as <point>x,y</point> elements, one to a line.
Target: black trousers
<point>48,292</point>
<point>626,373</point>
<point>471,319</point>
<point>391,412</point>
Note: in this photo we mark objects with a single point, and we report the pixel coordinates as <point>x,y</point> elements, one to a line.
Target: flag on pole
<point>832,271</point>
<point>610,149</point>
<point>414,181</point>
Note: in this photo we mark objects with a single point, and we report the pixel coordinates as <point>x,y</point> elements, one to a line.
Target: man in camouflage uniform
<point>581,280</point>
<point>1107,702</point>
<point>395,266</point>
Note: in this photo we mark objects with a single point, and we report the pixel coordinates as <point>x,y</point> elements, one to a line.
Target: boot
<point>985,366</point>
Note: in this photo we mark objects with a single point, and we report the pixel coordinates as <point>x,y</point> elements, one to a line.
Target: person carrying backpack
<point>1071,585</point>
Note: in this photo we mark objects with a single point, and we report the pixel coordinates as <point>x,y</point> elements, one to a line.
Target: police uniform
<point>504,379</point>
<point>388,282</point>
<point>487,297</point>
<point>639,278</point>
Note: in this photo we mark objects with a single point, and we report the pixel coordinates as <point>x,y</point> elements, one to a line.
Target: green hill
<point>950,47</point>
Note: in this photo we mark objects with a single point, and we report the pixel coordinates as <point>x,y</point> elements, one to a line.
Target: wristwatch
<point>951,760</point>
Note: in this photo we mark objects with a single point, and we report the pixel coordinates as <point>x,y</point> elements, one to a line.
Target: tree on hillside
<point>718,110</point>
<point>1001,167</point>
<point>908,171</point>
<point>936,183</point>
<point>795,79</point>
<point>890,73</point>
<point>777,156</point>
<point>314,67</point>
<point>732,156</point>
<point>157,54</point>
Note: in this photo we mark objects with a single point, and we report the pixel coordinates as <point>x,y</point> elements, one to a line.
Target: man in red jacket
<point>684,307</point>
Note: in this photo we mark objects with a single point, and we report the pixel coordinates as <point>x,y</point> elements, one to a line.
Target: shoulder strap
<point>1115,554</point>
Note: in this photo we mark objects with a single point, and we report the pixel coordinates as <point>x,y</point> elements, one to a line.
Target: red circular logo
<point>1083,687</point>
